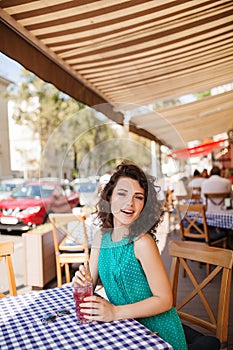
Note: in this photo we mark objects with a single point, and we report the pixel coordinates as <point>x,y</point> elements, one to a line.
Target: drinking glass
<point>79,293</point>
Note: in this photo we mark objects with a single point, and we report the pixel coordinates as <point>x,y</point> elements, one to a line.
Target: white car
<point>8,185</point>
<point>87,189</point>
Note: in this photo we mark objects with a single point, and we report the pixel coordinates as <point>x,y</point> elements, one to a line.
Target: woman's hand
<point>98,309</point>
<point>79,277</point>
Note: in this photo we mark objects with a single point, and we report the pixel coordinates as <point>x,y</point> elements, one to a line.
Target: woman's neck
<point>119,233</point>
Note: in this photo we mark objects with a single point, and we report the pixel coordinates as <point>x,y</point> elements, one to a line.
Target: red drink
<point>80,292</point>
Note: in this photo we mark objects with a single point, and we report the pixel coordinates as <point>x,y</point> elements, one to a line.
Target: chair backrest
<point>196,190</point>
<point>195,194</point>
<point>217,199</point>
<point>69,226</point>
<point>193,223</point>
<point>6,249</point>
<point>188,298</point>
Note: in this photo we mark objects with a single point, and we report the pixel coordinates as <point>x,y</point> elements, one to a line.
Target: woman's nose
<point>130,200</point>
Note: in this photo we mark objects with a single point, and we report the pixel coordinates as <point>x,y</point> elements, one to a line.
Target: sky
<point>9,68</point>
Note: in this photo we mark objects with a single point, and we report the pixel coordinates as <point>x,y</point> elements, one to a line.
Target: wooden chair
<point>196,190</point>
<point>193,227</point>
<point>6,249</point>
<point>67,250</point>
<point>215,321</point>
<point>169,206</point>
<point>217,199</point>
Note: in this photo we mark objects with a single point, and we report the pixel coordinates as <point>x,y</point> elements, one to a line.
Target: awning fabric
<point>198,151</point>
<point>120,54</point>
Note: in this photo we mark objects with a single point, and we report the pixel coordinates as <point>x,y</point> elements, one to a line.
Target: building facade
<point>5,159</point>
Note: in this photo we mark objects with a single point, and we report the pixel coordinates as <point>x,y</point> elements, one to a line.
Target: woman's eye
<point>121,194</point>
<point>141,198</point>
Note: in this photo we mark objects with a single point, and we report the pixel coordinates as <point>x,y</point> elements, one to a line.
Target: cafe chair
<point>169,206</point>
<point>196,190</point>
<point>6,250</point>
<point>67,250</point>
<point>195,302</point>
<point>216,199</point>
<point>193,227</point>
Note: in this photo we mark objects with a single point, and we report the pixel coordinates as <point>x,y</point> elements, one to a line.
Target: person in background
<point>224,172</point>
<point>215,184</point>
<point>197,180</point>
<point>126,258</point>
<point>204,173</point>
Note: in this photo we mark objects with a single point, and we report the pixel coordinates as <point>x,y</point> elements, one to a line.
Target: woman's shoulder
<point>144,239</point>
<point>145,245</point>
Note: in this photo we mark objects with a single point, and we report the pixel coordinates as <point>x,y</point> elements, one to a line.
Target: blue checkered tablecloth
<point>21,326</point>
<point>219,218</point>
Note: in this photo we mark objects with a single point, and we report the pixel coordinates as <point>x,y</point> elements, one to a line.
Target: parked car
<point>30,204</point>
<point>8,185</point>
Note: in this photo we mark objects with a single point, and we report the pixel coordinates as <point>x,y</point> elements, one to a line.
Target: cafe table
<point>217,218</point>
<point>21,326</point>
<point>220,218</point>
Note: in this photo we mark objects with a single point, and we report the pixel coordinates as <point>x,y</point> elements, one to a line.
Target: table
<point>21,326</point>
<point>217,218</point>
<point>220,218</point>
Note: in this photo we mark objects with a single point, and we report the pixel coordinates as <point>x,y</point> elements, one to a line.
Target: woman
<point>126,258</point>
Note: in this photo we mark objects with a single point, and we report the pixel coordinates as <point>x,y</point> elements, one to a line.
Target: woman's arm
<point>147,253</point>
<point>94,266</point>
<point>80,277</point>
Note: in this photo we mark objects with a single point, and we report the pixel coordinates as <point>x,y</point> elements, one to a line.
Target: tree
<point>62,124</point>
<point>41,106</point>
<point>72,133</point>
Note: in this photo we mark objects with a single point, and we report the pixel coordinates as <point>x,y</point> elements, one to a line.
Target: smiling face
<point>127,201</point>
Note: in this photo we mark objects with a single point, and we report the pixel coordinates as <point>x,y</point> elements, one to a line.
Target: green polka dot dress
<point>125,283</point>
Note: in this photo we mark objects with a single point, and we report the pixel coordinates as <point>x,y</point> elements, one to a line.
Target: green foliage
<point>68,129</point>
<point>41,106</point>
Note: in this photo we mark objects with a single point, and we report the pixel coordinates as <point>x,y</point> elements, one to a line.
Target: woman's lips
<point>127,212</point>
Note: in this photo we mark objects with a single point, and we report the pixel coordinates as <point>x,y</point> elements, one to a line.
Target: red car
<point>30,204</point>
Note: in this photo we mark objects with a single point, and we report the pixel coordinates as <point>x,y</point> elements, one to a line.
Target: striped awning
<point>120,55</point>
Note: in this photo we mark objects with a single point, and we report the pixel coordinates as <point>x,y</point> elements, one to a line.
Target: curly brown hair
<point>152,213</point>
